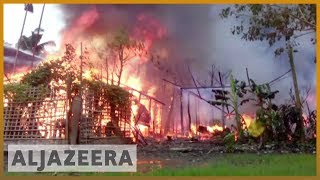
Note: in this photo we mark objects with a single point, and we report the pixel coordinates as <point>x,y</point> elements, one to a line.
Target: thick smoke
<point>189,29</point>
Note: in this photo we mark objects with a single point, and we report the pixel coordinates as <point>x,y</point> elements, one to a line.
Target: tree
<point>279,25</point>
<point>234,100</point>
<point>31,43</point>
<point>125,49</point>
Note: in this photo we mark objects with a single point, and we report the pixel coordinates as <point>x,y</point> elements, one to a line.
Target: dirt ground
<point>177,153</point>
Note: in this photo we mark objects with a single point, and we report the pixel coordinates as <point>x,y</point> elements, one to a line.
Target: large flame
<point>146,30</point>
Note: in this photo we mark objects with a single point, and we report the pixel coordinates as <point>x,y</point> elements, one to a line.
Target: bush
<point>229,141</point>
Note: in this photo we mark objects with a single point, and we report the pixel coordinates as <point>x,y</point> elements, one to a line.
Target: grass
<point>232,165</point>
<point>251,165</point>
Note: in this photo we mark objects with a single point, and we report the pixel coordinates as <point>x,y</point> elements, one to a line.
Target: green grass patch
<point>250,165</point>
<point>230,165</point>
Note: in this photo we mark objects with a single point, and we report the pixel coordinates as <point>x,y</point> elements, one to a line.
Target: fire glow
<point>146,30</point>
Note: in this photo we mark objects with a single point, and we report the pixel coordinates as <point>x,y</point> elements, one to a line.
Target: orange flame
<point>147,29</point>
<point>247,119</point>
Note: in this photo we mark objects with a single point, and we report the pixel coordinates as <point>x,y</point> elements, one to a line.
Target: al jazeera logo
<point>72,158</point>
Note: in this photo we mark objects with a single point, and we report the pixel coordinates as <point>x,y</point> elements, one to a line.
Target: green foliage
<point>273,23</point>
<point>124,49</point>
<point>262,93</point>
<point>267,116</point>
<point>229,141</point>
<point>40,76</point>
<point>60,70</point>
<point>277,124</point>
<point>117,95</point>
<point>122,42</point>
<point>234,98</point>
<point>290,115</point>
<point>270,119</point>
<point>111,94</point>
<point>53,70</point>
<point>17,92</point>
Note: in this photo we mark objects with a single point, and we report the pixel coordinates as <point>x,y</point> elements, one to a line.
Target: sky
<point>13,19</point>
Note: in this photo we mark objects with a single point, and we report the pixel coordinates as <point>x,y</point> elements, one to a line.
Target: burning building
<point>162,47</point>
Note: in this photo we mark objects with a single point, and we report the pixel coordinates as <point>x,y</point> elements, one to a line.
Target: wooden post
<point>222,105</point>
<point>169,123</point>
<point>175,127</point>
<point>74,123</point>
<point>68,105</point>
<point>248,77</point>
<point>189,115</point>
<point>300,126</point>
<point>81,98</point>
<point>194,81</point>
<point>197,122</point>
<point>161,130</point>
<point>81,71</point>
<point>309,112</point>
<point>153,118</point>
<point>181,110</point>
<point>212,75</point>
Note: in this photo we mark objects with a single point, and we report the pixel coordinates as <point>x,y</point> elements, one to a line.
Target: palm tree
<point>31,43</point>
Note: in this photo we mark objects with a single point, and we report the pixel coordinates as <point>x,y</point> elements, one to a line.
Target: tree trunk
<point>121,64</point>
<point>189,115</point>
<point>120,74</point>
<point>297,94</point>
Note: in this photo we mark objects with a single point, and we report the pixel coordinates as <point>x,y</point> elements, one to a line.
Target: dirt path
<point>176,154</point>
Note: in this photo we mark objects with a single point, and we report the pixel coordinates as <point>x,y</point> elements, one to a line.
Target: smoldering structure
<point>184,48</point>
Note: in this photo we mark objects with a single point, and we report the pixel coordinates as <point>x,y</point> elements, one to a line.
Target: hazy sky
<point>13,18</point>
